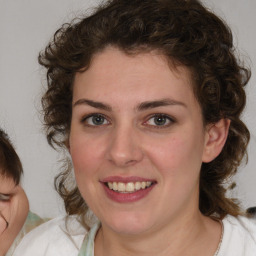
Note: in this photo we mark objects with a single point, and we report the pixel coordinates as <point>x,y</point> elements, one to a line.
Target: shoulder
<point>239,236</point>
<point>32,221</point>
<point>61,236</point>
<point>241,225</point>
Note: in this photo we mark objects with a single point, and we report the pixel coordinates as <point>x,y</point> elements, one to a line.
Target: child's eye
<point>159,120</point>
<point>95,120</point>
<point>4,197</point>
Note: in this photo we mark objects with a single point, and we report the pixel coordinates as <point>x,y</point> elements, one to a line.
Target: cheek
<point>84,164</point>
<point>4,215</point>
<point>177,156</point>
<point>86,155</point>
<point>168,152</point>
<point>178,163</point>
<point>2,225</point>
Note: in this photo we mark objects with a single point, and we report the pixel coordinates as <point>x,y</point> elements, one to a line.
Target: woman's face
<point>137,141</point>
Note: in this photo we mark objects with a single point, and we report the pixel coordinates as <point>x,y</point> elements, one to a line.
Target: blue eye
<point>159,120</point>
<point>95,120</point>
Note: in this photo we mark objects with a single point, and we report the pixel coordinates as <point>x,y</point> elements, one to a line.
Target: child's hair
<point>186,33</point>
<point>10,164</point>
<point>251,212</point>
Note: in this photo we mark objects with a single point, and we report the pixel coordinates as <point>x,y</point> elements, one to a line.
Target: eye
<point>95,120</point>
<point>4,197</point>
<point>159,120</point>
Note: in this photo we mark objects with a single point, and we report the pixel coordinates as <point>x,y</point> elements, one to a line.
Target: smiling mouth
<point>129,187</point>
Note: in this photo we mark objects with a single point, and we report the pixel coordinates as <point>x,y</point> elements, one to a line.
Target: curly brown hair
<point>188,34</point>
<point>10,164</point>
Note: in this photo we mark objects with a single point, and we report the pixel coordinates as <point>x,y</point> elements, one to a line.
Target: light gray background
<point>25,28</point>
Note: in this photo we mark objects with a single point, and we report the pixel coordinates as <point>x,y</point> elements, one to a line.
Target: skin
<point>14,210</point>
<point>129,142</point>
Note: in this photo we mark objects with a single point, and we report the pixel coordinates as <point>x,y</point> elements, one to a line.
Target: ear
<point>215,138</point>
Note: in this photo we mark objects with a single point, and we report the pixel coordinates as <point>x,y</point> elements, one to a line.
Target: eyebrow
<point>93,104</point>
<point>159,103</point>
<point>142,106</point>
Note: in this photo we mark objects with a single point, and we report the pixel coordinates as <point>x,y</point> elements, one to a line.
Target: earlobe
<point>216,136</point>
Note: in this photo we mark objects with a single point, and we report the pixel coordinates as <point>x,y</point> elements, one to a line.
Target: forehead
<point>7,184</point>
<point>112,71</point>
<point>111,57</point>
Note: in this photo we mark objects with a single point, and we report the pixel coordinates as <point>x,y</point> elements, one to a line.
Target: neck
<point>192,234</point>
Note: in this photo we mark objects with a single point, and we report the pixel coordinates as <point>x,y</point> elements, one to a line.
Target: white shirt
<point>239,238</point>
<point>61,236</point>
<point>65,237</point>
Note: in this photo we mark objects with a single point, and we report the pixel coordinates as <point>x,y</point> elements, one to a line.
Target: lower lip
<point>127,197</point>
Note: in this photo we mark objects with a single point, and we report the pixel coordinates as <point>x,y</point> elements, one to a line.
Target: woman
<point>146,97</point>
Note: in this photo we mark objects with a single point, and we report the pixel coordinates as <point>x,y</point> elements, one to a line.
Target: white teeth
<point>115,186</point>
<point>110,185</point>
<point>121,187</point>
<point>128,187</point>
<point>137,185</point>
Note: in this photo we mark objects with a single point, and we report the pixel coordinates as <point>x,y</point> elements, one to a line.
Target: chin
<point>128,225</point>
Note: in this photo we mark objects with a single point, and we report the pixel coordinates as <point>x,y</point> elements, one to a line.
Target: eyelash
<point>167,118</point>
<point>4,198</point>
<point>85,119</point>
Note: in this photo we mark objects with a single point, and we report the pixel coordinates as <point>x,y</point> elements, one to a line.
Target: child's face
<point>7,188</point>
<point>13,212</point>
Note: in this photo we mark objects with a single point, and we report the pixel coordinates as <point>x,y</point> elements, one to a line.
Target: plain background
<point>25,28</point>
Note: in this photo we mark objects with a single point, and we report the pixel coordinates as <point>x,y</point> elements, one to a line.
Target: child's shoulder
<point>32,221</point>
<point>59,236</point>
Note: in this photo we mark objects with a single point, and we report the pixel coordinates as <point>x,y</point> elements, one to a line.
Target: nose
<point>125,147</point>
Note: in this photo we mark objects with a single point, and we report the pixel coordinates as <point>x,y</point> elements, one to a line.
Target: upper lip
<point>125,179</point>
